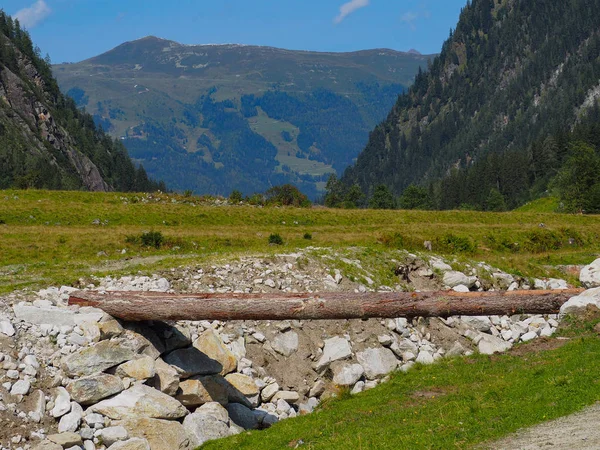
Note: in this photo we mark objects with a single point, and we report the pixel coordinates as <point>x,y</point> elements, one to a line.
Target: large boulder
<point>166,379</point>
<point>190,362</point>
<point>140,401</point>
<point>590,275</point>
<point>160,434</point>
<point>377,362</point>
<point>242,416</point>
<point>211,344</point>
<point>578,304</point>
<point>138,369</point>
<point>202,427</point>
<point>335,349</point>
<point>199,390</point>
<point>98,358</point>
<point>92,389</point>
<point>44,315</point>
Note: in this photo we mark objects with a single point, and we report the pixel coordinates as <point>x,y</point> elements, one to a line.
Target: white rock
<point>347,374</point>
<point>111,435</point>
<point>590,275</point>
<point>480,323</point>
<point>529,336</point>
<point>489,345</point>
<point>286,343</point>
<point>335,349</point>
<point>579,303</point>
<point>21,387</point>
<point>454,278</point>
<point>556,283</point>
<point>460,288</point>
<point>438,264</point>
<point>48,315</point>
<point>62,403</point>
<point>269,391</point>
<point>69,423</point>
<point>358,387</point>
<point>7,328</point>
<point>424,358</point>
<point>377,362</point>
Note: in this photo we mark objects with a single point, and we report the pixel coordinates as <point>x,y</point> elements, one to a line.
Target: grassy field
<point>57,237</point>
<point>455,404</point>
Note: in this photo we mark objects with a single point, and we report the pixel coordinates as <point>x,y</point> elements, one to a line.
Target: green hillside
<point>213,118</point>
<point>492,115</point>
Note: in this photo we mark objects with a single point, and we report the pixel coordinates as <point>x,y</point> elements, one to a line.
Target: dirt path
<point>578,431</point>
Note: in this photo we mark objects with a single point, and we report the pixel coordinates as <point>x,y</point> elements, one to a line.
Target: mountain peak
<point>412,51</point>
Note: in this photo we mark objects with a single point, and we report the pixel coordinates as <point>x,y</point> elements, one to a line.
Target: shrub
<point>235,196</point>
<point>275,239</point>
<point>456,244</point>
<point>307,236</point>
<point>147,239</point>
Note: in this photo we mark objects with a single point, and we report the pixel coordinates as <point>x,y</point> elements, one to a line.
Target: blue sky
<point>73,30</point>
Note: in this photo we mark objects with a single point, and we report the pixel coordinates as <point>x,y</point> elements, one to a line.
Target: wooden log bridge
<point>138,306</point>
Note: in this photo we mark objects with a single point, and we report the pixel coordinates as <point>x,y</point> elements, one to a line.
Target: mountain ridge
<point>293,116</point>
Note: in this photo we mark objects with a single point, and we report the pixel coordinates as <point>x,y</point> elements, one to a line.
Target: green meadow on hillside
<point>51,237</point>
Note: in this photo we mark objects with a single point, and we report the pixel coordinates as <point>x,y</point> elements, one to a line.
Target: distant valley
<point>214,118</point>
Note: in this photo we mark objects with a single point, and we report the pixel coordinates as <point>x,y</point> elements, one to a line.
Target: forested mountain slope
<point>214,118</point>
<point>513,77</point>
<point>45,140</point>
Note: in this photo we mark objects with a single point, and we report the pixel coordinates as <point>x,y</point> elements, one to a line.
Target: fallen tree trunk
<point>137,306</point>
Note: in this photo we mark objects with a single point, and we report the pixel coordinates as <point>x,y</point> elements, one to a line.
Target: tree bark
<point>138,306</point>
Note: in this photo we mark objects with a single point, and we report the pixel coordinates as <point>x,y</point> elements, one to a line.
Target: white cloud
<point>33,15</point>
<point>349,8</point>
<point>410,17</point>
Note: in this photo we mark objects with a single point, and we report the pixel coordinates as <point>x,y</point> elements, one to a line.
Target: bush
<point>307,236</point>
<point>456,244</point>
<point>147,239</point>
<point>235,196</point>
<point>275,239</point>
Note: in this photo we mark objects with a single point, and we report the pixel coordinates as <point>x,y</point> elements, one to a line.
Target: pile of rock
<point>77,378</point>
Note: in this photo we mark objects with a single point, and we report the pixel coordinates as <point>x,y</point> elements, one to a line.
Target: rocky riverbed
<point>76,378</point>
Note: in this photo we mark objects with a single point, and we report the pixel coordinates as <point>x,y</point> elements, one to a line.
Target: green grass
<point>457,403</point>
<point>50,237</point>
<point>541,205</point>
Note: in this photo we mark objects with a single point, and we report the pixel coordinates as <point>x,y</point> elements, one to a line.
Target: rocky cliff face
<point>26,108</point>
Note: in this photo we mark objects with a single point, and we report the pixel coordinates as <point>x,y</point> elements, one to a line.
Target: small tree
<point>382,198</point>
<point>495,201</point>
<point>416,197</point>
<point>287,195</point>
<point>235,196</point>
<point>334,192</point>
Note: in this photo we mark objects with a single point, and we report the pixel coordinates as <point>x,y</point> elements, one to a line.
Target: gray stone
<point>7,328</point>
<point>529,336</point>
<point>47,445</point>
<point>66,440</point>
<point>166,379</point>
<point>288,396</point>
<point>160,434</point>
<point>202,427</point>
<point>590,275</point>
<point>335,349</point>
<point>211,344</point>
<point>111,435</point>
<point>50,315</point>
<point>62,403</point>
<point>457,349</point>
<point>72,420</point>
<point>317,389</point>
<point>424,357</point>
<point>138,369</point>
<point>90,390</point>
<point>131,444</point>
<point>199,390</point>
<point>242,416</point>
<point>269,391</point>
<point>140,401</point>
<point>489,345</point>
<point>285,344</point>
<point>191,361</point>
<point>480,323</point>
<point>21,387</point>
<point>215,410</point>
<point>346,374</point>
<point>453,278</point>
<point>579,303</point>
<point>98,358</point>
<point>377,362</point>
